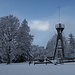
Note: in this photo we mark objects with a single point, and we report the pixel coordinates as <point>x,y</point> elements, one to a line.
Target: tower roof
<point>59,26</point>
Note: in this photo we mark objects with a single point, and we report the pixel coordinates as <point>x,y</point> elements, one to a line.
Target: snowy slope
<point>41,69</point>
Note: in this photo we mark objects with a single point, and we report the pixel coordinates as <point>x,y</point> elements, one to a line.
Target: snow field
<point>38,69</point>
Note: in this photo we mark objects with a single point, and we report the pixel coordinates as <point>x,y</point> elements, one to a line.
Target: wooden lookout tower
<point>59,49</point>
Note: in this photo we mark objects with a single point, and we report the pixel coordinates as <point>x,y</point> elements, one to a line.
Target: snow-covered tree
<point>71,45</point>
<point>38,51</point>
<point>24,40</point>
<point>51,46</point>
<point>8,30</point>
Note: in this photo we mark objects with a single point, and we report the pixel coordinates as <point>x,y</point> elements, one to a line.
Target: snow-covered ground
<point>38,69</point>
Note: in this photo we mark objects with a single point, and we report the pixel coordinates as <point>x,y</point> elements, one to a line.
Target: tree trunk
<point>8,55</point>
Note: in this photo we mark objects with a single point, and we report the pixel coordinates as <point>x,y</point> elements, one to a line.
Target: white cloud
<point>39,25</point>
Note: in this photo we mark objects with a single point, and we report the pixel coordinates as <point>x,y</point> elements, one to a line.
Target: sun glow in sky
<point>42,16</point>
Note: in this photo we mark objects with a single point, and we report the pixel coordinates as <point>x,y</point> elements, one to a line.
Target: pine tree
<point>24,40</point>
<point>71,45</point>
<point>51,46</point>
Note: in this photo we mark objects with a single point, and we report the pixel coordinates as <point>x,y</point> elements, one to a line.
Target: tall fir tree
<point>24,40</point>
<point>71,45</point>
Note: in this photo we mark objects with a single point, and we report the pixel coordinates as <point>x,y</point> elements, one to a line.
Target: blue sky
<point>42,16</point>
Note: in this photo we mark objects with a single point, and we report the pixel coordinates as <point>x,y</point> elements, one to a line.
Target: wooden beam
<point>42,63</point>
